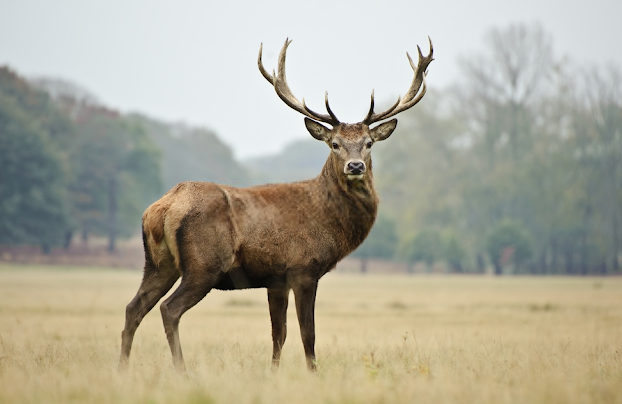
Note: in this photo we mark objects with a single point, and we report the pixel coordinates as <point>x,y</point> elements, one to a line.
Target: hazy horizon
<point>195,62</point>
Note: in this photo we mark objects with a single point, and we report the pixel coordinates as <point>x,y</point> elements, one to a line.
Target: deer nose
<point>356,167</point>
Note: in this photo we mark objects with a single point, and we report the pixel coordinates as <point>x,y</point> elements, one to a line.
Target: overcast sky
<point>195,61</point>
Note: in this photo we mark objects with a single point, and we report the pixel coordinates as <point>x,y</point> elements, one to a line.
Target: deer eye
<point>369,144</point>
<point>335,146</point>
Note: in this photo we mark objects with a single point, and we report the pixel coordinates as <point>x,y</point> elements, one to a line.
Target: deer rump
<point>245,234</point>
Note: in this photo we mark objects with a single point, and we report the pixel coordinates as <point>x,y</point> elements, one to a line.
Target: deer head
<point>350,143</point>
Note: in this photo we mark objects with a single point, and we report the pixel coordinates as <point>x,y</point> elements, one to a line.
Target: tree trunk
<point>457,267</point>
<point>112,214</point>
<point>554,252</point>
<point>569,256</point>
<point>542,265</point>
<point>616,243</point>
<point>364,265</point>
<point>481,265</point>
<point>68,238</point>
<point>584,243</point>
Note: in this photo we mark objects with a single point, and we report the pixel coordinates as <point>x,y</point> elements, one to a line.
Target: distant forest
<point>71,166</point>
<point>517,167</point>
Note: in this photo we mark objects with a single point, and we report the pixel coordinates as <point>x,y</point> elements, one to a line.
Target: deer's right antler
<point>279,81</point>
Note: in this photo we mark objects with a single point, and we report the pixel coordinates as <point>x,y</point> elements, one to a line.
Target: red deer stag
<point>278,236</point>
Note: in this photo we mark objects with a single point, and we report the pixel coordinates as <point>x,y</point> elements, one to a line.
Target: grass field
<point>391,339</point>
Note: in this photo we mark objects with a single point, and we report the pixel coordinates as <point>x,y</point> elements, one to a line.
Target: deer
<point>282,237</point>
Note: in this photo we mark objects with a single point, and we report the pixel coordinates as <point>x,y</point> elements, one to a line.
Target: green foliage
<point>520,139</point>
<point>509,243</point>
<point>118,173</point>
<point>41,110</point>
<point>192,154</point>
<point>430,245</point>
<point>72,165</point>
<point>33,195</point>
<point>380,243</point>
<point>454,252</point>
<point>426,246</point>
<point>300,160</point>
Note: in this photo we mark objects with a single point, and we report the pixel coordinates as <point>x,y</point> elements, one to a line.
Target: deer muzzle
<point>355,169</point>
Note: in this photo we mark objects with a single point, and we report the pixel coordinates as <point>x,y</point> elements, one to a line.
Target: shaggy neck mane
<point>352,205</point>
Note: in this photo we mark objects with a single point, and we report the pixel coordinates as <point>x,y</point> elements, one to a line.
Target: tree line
<point>518,167</point>
<point>70,166</point>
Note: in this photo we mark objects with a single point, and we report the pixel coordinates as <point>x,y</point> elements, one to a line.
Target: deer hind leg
<point>192,289</point>
<point>156,282</point>
<point>304,294</point>
<point>202,265</point>
<point>277,302</point>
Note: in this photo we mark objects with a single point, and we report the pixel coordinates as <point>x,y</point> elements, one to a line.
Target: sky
<point>196,61</point>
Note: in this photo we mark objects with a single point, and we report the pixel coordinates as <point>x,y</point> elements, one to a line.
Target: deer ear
<point>318,131</point>
<point>383,130</point>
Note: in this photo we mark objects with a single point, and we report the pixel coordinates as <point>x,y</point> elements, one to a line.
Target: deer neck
<point>353,204</point>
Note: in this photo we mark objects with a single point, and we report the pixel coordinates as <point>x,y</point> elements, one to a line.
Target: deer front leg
<point>305,309</point>
<point>277,302</point>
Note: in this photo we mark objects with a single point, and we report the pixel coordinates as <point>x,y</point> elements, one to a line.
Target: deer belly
<point>240,278</point>
<point>270,253</point>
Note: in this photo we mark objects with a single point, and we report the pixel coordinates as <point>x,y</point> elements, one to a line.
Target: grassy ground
<point>392,339</point>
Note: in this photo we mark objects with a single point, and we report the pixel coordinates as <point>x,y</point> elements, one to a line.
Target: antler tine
<point>330,111</point>
<point>261,68</point>
<point>368,119</point>
<point>412,96</point>
<point>279,81</point>
<point>371,107</point>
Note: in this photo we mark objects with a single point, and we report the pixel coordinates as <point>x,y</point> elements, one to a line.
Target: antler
<point>282,89</point>
<point>411,97</point>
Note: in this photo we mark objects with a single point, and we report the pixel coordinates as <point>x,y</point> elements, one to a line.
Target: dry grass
<point>392,339</point>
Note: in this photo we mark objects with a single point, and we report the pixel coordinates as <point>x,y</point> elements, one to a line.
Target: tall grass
<point>393,339</point>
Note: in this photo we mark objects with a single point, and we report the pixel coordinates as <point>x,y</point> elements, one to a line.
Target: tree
<point>502,86</point>
<point>597,126</point>
<point>509,243</point>
<point>426,246</point>
<point>114,166</point>
<point>33,198</point>
<point>118,173</point>
<point>42,111</point>
<point>505,100</point>
<point>191,154</point>
<point>299,160</point>
<point>454,252</point>
<point>381,242</point>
